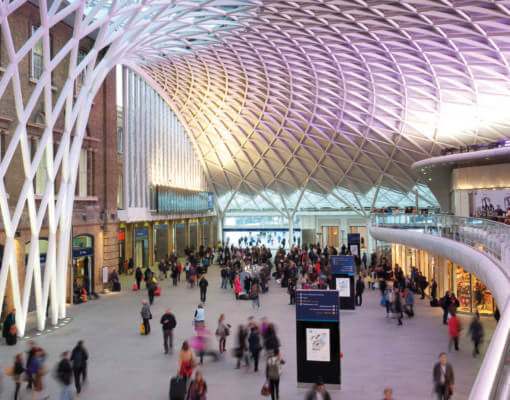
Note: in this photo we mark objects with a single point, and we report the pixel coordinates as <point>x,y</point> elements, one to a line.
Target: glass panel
<point>482,298</point>
<point>37,57</point>
<point>41,176</point>
<point>82,174</point>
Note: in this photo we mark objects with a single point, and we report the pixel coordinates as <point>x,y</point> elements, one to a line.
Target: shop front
<point>472,294</point>
<point>83,263</point>
<point>160,242</point>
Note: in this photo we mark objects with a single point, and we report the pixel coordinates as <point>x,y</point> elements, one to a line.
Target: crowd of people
<point>249,273</point>
<point>31,368</point>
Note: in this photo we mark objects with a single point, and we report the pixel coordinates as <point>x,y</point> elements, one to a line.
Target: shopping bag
<point>135,287</point>
<point>157,292</point>
<point>142,329</point>
<point>266,390</point>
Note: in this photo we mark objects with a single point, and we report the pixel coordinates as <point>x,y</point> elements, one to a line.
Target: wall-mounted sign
<point>121,235</point>
<point>141,233</point>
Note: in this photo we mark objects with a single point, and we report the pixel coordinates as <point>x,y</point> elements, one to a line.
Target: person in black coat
<point>397,306</point>
<point>433,289</point>
<point>444,379</point>
<point>138,276</point>
<point>9,331</point>
<point>360,287</point>
<point>203,283</point>
<point>168,323</point>
<point>79,358</point>
<point>254,346</point>
<point>65,376</point>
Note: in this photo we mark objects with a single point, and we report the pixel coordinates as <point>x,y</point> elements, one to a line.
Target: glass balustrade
<point>488,236</point>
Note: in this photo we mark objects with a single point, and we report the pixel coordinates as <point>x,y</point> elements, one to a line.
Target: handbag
<point>10,371</point>
<point>142,329</point>
<point>266,390</point>
<point>13,330</point>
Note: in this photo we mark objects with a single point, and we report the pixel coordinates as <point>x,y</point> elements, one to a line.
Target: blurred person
<point>273,373</point>
<point>240,350</point>
<point>271,341</point>
<point>168,324</point>
<point>79,358</point>
<point>222,331</point>
<point>9,330</point>
<point>198,388</point>
<point>199,317</point>
<point>476,331</point>
<point>138,276</point>
<point>38,370</point>
<point>146,316</point>
<point>453,331</point>
<point>445,302</point>
<point>30,355</point>
<point>201,344</point>
<point>186,361</point>
<point>291,289</point>
<point>388,394</point>
<point>151,289</point>
<point>254,346</point>
<point>254,293</point>
<point>397,305</point>
<point>203,283</point>
<point>319,391</point>
<point>65,376</point>
<point>360,287</point>
<point>237,286</point>
<point>16,372</point>
<point>444,379</point>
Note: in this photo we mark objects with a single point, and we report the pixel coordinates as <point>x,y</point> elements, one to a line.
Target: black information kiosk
<point>318,337</point>
<point>342,271</point>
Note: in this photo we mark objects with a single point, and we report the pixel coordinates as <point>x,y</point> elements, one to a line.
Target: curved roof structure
<point>319,101</point>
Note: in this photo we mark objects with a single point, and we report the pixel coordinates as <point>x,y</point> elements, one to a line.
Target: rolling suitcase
<point>178,388</point>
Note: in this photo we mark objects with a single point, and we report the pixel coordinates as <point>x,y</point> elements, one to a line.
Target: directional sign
<point>342,265</point>
<point>317,305</point>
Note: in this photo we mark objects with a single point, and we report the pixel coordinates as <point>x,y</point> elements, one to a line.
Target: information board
<point>317,305</point>
<point>342,265</point>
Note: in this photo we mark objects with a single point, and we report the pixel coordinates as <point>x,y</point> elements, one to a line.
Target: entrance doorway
<point>83,263</point>
<point>142,247</point>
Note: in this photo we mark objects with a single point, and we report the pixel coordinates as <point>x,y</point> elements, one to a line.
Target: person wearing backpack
<point>65,376</point>
<point>273,372</point>
<point>79,357</point>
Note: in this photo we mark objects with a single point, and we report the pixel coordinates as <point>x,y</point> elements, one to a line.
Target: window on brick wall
<point>36,68</point>
<point>80,80</point>
<point>41,175</point>
<point>120,192</point>
<point>82,174</point>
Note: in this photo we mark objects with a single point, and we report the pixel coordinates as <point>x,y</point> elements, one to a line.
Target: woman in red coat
<point>453,331</point>
<point>237,287</point>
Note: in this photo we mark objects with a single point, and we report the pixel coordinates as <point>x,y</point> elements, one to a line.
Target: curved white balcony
<point>481,247</point>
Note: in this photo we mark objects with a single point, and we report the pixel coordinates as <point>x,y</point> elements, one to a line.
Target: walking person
<point>254,293</point>
<point>237,286</point>
<point>38,370</point>
<point>186,361</point>
<point>360,287</point>
<point>168,323</point>
<point>445,303</point>
<point>222,331</point>
<point>319,391</point>
<point>151,288</point>
<point>79,358</point>
<point>273,373</point>
<point>138,276</point>
<point>254,346</point>
<point>175,273</point>
<point>198,388</point>
<point>242,335</point>
<point>199,317</point>
<point>146,316</point>
<point>453,331</point>
<point>203,288</point>
<point>291,289</point>
<point>65,377</point>
<point>476,330</point>
<point>444,379</point>
<point>397,306</point>
<point>16,371</point>
<point>224,276</point>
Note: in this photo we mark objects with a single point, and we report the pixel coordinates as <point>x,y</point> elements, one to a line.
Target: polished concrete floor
<point>125,365</point>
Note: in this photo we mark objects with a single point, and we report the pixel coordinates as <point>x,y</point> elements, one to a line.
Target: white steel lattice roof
<point>331,101</point>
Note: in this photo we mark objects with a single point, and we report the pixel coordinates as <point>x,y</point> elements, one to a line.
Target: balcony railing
<point>491,237</point>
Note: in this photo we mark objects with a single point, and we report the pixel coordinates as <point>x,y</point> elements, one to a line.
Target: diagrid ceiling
<point>327,103</point>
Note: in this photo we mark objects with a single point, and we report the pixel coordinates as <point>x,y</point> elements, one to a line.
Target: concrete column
<point>186,233</point>
<point>170,237</point>
<point>220,229</point>
<point>199,233</point>
<point>211,234</point>
<point>151,244</point>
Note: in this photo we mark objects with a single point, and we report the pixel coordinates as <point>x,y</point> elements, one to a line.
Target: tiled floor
<point>377,352</point>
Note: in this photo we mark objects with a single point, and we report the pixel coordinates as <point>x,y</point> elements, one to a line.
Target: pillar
<point>220,229</point>
<point>186,234</point>
<point>170,237</point>
<point>291,231</point>
<point>151,243</point>
<point>199,233</point>
<point>211,235</point>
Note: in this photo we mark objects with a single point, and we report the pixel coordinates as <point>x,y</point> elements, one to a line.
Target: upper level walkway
<point>481,247</point>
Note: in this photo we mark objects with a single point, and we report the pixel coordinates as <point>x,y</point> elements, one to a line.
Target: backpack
<point>273,368</point>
